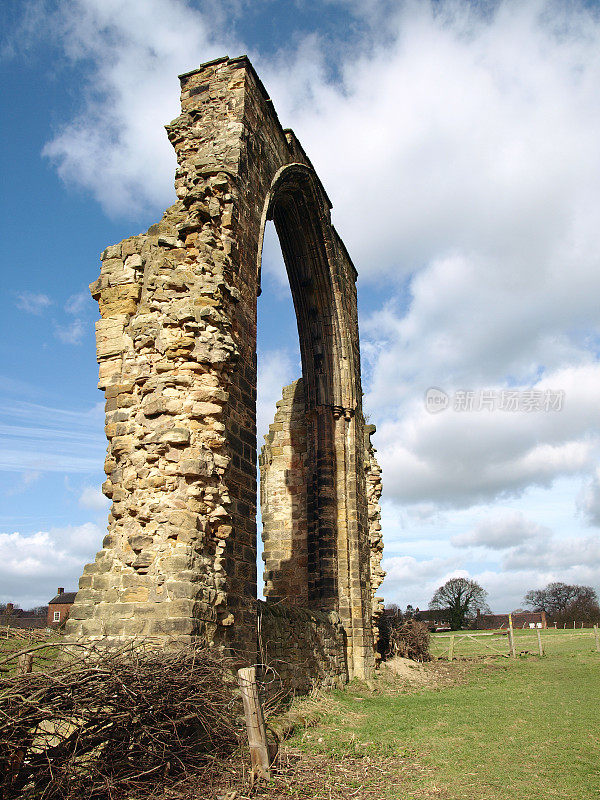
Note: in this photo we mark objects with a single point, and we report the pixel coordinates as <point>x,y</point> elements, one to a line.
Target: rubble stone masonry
<point>176,346</point>
<point>284,501</point>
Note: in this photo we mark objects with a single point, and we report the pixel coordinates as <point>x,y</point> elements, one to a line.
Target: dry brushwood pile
<point>23,634</point>
<point>406,638</point>
<point>111,724</point>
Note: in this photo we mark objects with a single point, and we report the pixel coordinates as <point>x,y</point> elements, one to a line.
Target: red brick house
<point>59,607</point>
<point>434,618</point>
<point>520,619</point>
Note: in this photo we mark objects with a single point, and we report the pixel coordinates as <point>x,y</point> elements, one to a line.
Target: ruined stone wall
<point>283,500</point>
<point>283,496</point>
<point>305,648</point>
<point>374,490</point>
<point>177,355</point>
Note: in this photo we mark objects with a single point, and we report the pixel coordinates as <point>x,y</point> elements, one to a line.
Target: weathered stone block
<point>175,436</point>
<point>195,468</point>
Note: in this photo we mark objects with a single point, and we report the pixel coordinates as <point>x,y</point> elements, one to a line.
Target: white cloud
<point>409,570</point>
<point>38,438</point>
<point>275,370</point>
<point>500,531</point>
<point>32,566</point>
<point>507,589</point>
<point>463,130</point>
<point>507,549</point>
<point>414,581</point>
<point>91,497</point>
<point>72,333</point>
<point>26,479</point>
<point>77,303</point>
<point>116,146</point>
<point>33,303</point>
<point>577,552</point>
<point>458,458</point>
<point>589,500</point>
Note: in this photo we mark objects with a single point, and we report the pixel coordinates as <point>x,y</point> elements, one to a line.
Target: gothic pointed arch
<point>177,352</point>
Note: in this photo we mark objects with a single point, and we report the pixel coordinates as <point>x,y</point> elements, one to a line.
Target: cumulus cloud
<point>501,531</point>
<point>410,570</point>
<point>560,556</point>
<point>116,147</point>
<point>275,370</point>
<point>459,458</point>
<point>507,589</point>
<point>33,303</point>
<point>414,581</point>
<point>466,130</point>
<point>33,565</point>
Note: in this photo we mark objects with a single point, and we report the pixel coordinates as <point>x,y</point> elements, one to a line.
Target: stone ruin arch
<point>176,346</point>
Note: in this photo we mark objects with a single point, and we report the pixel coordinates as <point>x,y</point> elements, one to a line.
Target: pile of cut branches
<point>408,639</point>
<point>25,634</point>
<point>113,722</point>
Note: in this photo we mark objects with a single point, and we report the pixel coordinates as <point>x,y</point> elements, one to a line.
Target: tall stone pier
<point>176,346</point>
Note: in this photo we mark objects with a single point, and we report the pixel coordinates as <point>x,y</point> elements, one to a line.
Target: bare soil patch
<point>400,675</point>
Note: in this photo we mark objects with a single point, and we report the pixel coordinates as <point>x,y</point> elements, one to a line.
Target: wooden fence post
<point>25,663</point>
<point>597,638</point>
<point>539,638</point>
<point>255,723</point>
<point>511,637</point>
<point>451,650</point>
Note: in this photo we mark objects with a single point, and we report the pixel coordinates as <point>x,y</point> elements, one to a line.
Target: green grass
<point>479,643</point>
<point>42,658</point>
<point>525,729</point>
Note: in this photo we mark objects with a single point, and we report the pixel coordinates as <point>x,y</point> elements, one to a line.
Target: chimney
<point>60,590</point>
<point>10,608</point>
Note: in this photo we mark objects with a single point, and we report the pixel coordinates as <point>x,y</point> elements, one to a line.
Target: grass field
<point>524,729</point>
<point>13,645</point>
<point>481,643</point>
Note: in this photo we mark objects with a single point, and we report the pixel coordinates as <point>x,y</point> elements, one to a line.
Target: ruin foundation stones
<point>176,346</point>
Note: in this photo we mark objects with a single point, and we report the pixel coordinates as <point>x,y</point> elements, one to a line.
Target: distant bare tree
<point>461,598</point>
<point>39,611</point>
<point>557,597</point>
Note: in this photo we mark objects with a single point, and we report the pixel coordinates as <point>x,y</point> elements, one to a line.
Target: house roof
<point>65,597</point>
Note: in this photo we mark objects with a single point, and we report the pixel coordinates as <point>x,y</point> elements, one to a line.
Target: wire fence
<point>512,643</point>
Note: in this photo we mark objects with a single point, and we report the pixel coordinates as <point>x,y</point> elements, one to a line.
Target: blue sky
<point>458,143</point>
